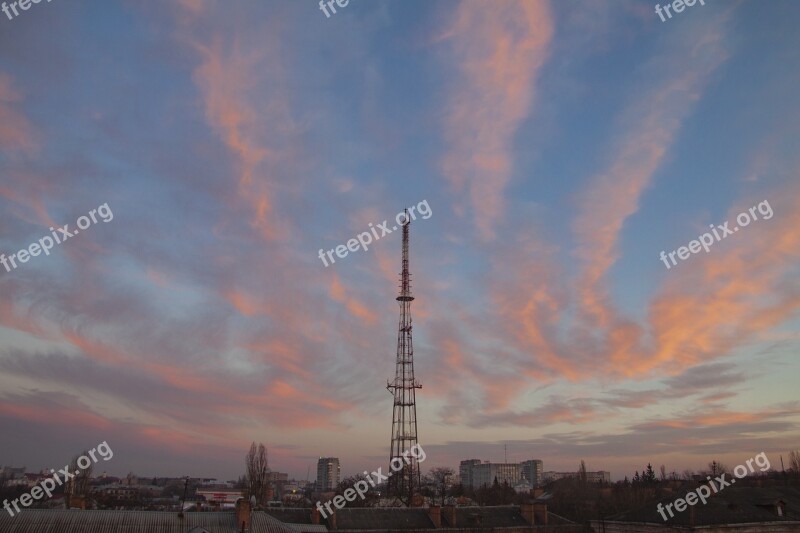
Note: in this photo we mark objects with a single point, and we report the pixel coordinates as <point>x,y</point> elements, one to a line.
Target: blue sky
<point>561,147</point>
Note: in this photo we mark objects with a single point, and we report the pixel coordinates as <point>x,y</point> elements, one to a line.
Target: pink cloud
<point>499,48</point>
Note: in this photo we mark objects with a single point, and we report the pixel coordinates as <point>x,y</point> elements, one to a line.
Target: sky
<point>560,147</point>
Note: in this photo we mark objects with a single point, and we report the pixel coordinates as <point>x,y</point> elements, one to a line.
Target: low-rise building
<point>221,498</point>
<point>475,474</point>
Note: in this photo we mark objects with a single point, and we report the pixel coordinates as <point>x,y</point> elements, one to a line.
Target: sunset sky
<point>561,146</point>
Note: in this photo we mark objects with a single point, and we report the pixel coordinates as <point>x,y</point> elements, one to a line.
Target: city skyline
<point>560,148</point>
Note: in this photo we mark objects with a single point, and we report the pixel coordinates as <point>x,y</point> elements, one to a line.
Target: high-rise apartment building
<point>465,471</point>
<point>532,471</point>
<point>328,473</point>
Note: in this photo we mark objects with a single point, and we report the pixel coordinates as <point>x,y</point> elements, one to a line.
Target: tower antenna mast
<point>405,480</point>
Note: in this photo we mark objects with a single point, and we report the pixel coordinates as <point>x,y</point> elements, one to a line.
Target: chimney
<point>243,514</point>
<point>540,513</point>
<point>449,513</point>
<point>435,513</point>
<point>315,516</point>
<point>526,509</point>
<point>77,502</point>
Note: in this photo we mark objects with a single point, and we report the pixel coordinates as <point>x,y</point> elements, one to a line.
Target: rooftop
<point>77,521</point>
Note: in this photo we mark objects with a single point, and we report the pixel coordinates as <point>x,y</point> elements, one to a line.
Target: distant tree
<point>636,478</point>
<point>794,462</point>
<point>257,474</point>
<point>582,477</point>
<point>457,490</point>
<point>481,495</point>
<point>440,477</point>
<point>506,494</point>
<point>78,485</point>
<point>663,471</point>
<point>370,496</point>
<point>648,475</point>
<point>173,490</point>
<point>6,490</point>
<point>716,468</point>
<point>494,492</point>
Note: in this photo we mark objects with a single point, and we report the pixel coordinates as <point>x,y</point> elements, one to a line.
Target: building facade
<point>475,474</point>
<point>600,476</point>
<point>532,471</point>
<point>328,473</point>
<point>465,471</point>
<point>487,473</point>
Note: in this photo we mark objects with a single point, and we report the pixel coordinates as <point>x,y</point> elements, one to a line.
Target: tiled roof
<point>496,516</point>
<point>75,521</point>
<point>291,515</point>
<point>739,505</point>
<point>383,518</point>
<point>308,528</point>
<point>377,519</point>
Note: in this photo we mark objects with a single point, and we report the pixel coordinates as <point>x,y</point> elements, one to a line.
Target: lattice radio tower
<point>405,482</point>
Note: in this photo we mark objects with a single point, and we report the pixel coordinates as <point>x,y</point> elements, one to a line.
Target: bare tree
<point>3,483</point>
<point>794,461</point>
<point>582,478</point>
<point>715,468</point>
<point>663,471</point>
<point>370,497</point>
<point>440,477</point>
<point>257,476</point>
<point>78,485</point>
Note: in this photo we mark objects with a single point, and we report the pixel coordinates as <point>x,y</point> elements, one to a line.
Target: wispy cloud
<point>499,49</point>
